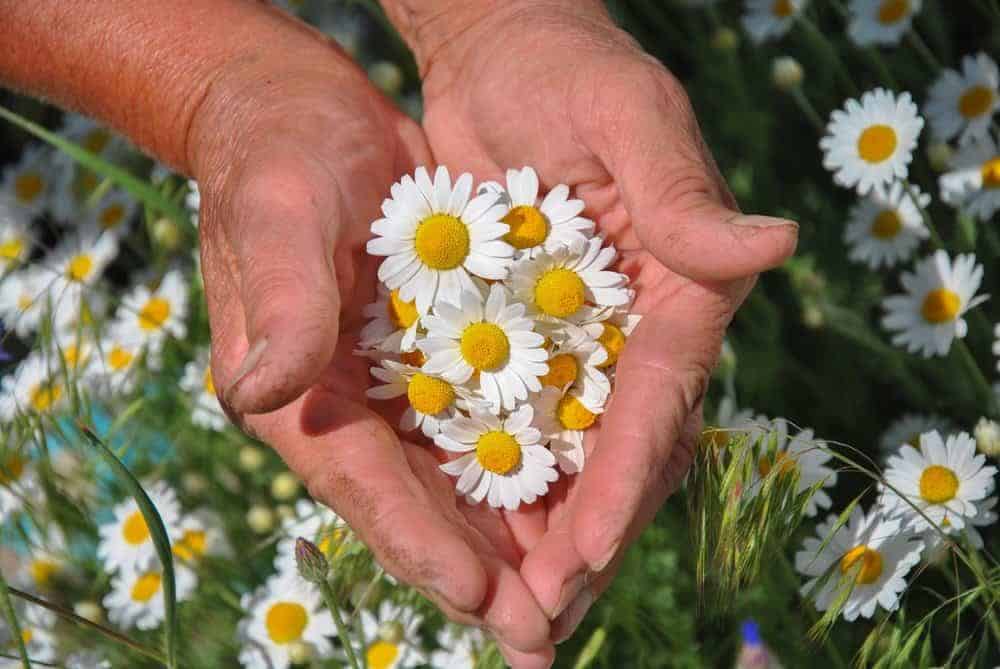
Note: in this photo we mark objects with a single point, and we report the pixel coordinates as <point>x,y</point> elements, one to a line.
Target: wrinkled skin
<point>285,218</point>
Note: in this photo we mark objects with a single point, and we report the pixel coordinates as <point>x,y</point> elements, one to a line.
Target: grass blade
<point>11,617</point>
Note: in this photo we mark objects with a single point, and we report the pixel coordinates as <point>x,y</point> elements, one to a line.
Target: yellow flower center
<point>119,358</point>
<point>27,635</point>
<point>80,267</point>
<point>442,241</point>
<point>991,173</point>
<point>134,529</point>
<point>484,346</point>
<point>887,224</point>
<point>44,396</point>
<point>285,622</point>
<point>191,546</point>
<point>87,183</point>
<point>563,370</point>
<point>429,395</point>
<point>402,314</point>
<point>938,484</point>
<point>24,301</point>
<point>785,464</point>
<point>154,314</point>
<point>381,655</point>
<point>146,586</point>
<point>333,544</point>
<point>72,356</point>
<point>498,452</point>
<point>28,186</point>
<point>12,249</point>
<point>573,415</point>
<point>870,560</point>
<point>891,11</point>
<point>96,140</point>
<point>613,340</point>
<point>782,8</point>
<point>208,383</point>
<point>876,143</point>
<point>975,102</point>
<point>414,358</point>
<point>42,571</point>
<point>715,436</point>
<point>112,216</point>
<point>11,469</point>
<point>528,227</point>
<point>941,305</point>
<point>560,292</point>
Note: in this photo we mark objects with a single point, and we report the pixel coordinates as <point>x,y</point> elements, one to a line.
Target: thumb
<point>282,234</point>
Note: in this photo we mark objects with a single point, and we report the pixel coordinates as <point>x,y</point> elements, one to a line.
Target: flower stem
<point>883,70</point>
<point>828,50</point>
<point>925,52</point>
<point>331,603</point>
<point>912,194</point>
<point>980,571</point>
<point>983,388</point>
<point>807,108</point>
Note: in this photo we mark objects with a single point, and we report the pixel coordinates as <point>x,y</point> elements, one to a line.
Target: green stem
<point>925,52</point>
<point>331,603</point>
<point>983,388</point>
<point>11,617</point>
<point>883,70</point>
<point>980,570</point>
<point>807,108</point>
<point>911,192</point>
<point>828,50</point>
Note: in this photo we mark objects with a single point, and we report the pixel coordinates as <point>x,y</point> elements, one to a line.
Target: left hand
<point>567,92</point>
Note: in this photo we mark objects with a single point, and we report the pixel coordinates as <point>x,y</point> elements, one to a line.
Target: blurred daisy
<point>48,558</point>
<point>285,612</point>
<point>136,598</point>
<point>769,19</point>
<point>29,182</point>
<point>886,227</point>
<point>494,339</point>
<point>315,522</point>
<point>502,460</point>
<point>963,103</point>
<point>126,541</point>
<point>928,316</point>
<point>392,638</point>
<point>157,314</point>
<point>80,261</point>
<point>112,213</point>
<point>801,453</point>
<point>870,143</point>
<point>200,535</point>
<point>460,647</point>
<point>575,363</point>
<point>87,659</point>
<point>197,381</point>
<point>38,634</point>
<point>33,387</point>
<point>19,483</point>
<point>938,485</point>
<point>908,428</point>
<point>562,419</point>
<point>23,299</point>
<point>15,240</point>
<point>73,352</point>
<point>434,236</point>
<point>973,184</point>
<point>572,284</point>
<point>880,21</point>
<point>868,557</point>
<point>431,399</point>
<point>120,351</point>
<point>394,323</point>
<point>89,134</point>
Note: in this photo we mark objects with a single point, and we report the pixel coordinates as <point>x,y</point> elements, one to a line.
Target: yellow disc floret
<point>887,224</point>
<point>941,305</point>
<point>402,314</point>
<point>119,358</point>
<point>876,143</point>
<point>192,545</point>
<point>429,395</point>
<point>285,622</point>
<point>112,216</point>
<point>560,292</point>
<point>381,655</point>
<point>11,249</point>
<point>975,102</point>
<point>991,173</point>
<point>563,370</point>
<point>42,571</point>
<point>498,452</point>
<point>573,415</point>
<point>442,241</point>
<point>79,267</point>
<point>782,8</point>
<point>11,469</point>
<point>528,227</point>
<point>146,586</point>
<point>134,529</point>
<point>938,484</point>
<point>613,340</point>
<point>891,11</point>
<point>154,314</point>
<point>784,464</point>
<point>28,186</point>
<point>44,395</point>
<point>96,140</point>
<point>870,560</point>
<point>484,346</point>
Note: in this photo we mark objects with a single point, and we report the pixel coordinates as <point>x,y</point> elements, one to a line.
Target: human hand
<point>557,86</point>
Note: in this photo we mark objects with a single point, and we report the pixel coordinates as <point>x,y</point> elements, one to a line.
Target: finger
<point>541,659</point>
<point>555,571</point>
<point>527,524</point>
<point>280,223</point>
<point>566,624</point>
<point>681,209</point>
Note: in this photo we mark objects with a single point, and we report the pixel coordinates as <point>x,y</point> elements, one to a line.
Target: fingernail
<point>763,221</point>
<point>566,624</point>
<point>571,588</point>
<point>250,362</point>
<point>599,565</point>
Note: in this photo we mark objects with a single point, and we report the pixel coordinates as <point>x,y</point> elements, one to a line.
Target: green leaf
<point>590,650</point>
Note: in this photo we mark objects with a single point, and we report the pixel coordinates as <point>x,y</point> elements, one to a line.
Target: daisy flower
<point>770,19</point>
<point>73,352</point>
<point>197,381</point>
<point>431,399</point>
<point>434,236</point>
<point>391,637</point>
<point>315,522</point>
<point>928,316</point>
<point>136,598</point>
<point>869,555</point>
<point>126,541</point>
<point>973,183</point>
<point>393,325</point>
<point>37,633</point>
<point>48,558</point>
<point>908,428</point>
<point>87,659</point>
<point>575,363</point>
<point>200,535</point>
<point>938,485</point>
<point>731,422</point>
<point>880,21</point>
<point>801,453</point>
<point>29,182</point>
<point>938,546</point>
<point>120,350</point>
<point>23,298</point>
<point>612,331</point>
<point>112,213</point>
<point>34,386</point>
<point>886,227</point>
<point>572,284</point>
<point>963,103</point>
<point>540,225</point>
<point>502,460</point>
<point>870,143</point>
<point>460,647</point>
<point>562,419</point>
<point>493,338</point>
<point>78,264</point>
<point>19,483</point>
<point>286,611</point>
<point>89,134</point>
<point>15,240</point>
<point>158,313</point>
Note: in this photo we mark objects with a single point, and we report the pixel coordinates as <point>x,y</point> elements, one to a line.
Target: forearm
<point>146,67</point>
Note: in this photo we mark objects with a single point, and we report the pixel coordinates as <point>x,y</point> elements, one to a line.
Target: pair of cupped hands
<point>294,162</point>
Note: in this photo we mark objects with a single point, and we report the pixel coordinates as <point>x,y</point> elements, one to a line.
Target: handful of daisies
<point>499,320</point>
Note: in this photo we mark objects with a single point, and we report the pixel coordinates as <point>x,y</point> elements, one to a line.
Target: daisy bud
<point>89,610</point>
<point>260,519</point>
<point>939,156</point>
<point>387,77</point>
<point>194,483</point>
<point>987,433</point>
<point>166,234</point>
<point>786,73</point>
<point>251,458</point>
<point>725,39</point>
<point>228,479</point>
<point>300,652</point>
<point>812,317</point>
<point>284,486</point>
<point>391,631</point>
<point>310,561</point>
